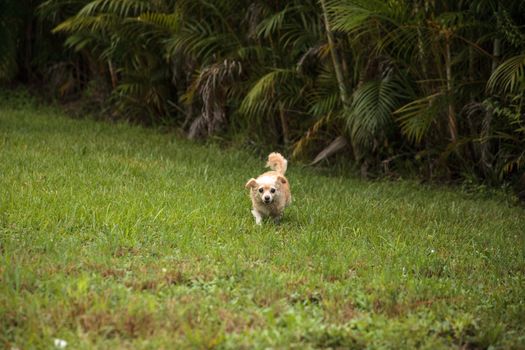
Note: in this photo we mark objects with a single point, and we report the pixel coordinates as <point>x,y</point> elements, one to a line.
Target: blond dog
<point>270,192</point>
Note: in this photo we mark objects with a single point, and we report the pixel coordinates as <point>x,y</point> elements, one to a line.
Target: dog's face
<point>266,189</point>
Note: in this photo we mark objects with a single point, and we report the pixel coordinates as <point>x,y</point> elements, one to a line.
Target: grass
<point>114,236</point>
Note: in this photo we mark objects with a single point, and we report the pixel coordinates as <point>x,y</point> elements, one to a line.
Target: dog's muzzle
<point>267,200</point>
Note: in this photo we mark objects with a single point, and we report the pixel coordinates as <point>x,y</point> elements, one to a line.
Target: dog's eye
<point>261,190</point>
<point>272,190</point>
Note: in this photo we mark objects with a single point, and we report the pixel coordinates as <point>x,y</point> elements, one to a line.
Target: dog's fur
<point>270,192</point>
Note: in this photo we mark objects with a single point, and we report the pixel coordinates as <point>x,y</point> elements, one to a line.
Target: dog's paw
<point>257,216</point>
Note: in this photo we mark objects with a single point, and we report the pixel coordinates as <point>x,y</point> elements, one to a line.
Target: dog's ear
<point>251,183</point>
<point>281,179</point>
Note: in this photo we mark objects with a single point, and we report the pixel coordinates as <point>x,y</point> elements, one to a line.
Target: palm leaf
<point>417,116</point>
<point>310,135</point>
<point>97,23</point>
<point>372,106</point>
<point>351,16</point>
<point>508,76</point>
<point>260,98</point>
<point>122,8</point>
<point>272,23</point>
<point>170,22</point>
<point>336,145</point>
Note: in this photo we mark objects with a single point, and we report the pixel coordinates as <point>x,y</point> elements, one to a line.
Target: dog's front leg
<point>257,216</point>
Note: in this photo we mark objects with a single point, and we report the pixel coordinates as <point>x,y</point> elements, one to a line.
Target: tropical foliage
<point>433,87</point>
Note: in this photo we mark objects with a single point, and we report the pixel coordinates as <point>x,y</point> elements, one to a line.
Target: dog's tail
<point>277,162</point>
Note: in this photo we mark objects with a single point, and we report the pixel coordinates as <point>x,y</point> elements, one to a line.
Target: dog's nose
<point>266,198</point>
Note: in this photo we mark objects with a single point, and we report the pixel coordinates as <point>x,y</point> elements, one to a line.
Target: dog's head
<point>266,188</point>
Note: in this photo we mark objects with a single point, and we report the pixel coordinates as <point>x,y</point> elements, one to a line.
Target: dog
<point>270,192</point>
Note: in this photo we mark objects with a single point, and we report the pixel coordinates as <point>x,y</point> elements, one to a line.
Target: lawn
<point>116,236</point>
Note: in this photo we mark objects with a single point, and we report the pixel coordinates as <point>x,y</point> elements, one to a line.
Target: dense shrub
<point>433,88</point>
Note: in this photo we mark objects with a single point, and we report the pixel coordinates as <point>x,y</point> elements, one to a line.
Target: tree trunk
<point>335,59</point>
<point>452,122</point>
<point>284,125</point>
<point>338,67</point>
<point>420,45</point>
<point>112,74</point>
<point>486,155</point>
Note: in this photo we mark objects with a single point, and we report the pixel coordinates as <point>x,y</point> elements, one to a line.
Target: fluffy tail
<point>277,162</point>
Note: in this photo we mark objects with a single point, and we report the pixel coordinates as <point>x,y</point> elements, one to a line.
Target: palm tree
<point>277,87</point>
<point>138,74</point>
<point>423,41</point>
<point>385,80</point>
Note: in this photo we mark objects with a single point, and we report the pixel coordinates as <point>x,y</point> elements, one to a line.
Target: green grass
<point>114,236</point>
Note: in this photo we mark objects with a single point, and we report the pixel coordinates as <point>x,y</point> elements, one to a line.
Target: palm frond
<point>170,22</point>
<point>212,85</point>
<point>57,10</point>
<point>96,23</point>
<point>509,76</point>
<point>201,40</point>
<point>260,98</point>
<point>310,135</point>
<point>371,110</point>
<point>336,145</point>
<point>351,16</point>
<point>417,117</point>
<point>122,8</point>
<point>324,97</point>
<point>272,23</point>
